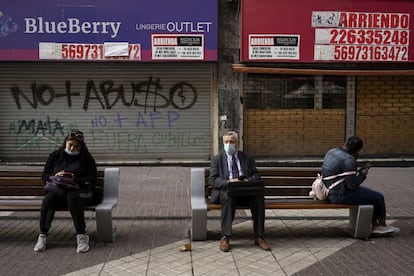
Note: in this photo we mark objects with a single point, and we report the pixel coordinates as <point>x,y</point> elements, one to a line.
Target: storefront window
<point>294,92</point>
<point>334,92</point>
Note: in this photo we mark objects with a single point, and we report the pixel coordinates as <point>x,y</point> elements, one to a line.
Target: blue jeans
<point>363,196</point>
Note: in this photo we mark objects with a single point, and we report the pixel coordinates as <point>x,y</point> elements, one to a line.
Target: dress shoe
<point>225,244</point>
<point>260,242</point>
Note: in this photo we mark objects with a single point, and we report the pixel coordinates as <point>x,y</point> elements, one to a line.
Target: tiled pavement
<point>153,222</point>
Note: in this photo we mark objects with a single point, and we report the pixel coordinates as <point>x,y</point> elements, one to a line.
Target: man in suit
<point>227,167</point>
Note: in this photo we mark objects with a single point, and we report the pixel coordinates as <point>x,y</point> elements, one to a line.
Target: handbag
<point>320,191</point>
<point>57,183</point>
<point>245,188</point>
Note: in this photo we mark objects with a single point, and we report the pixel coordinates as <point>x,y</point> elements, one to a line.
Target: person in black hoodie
<point>72,160</point>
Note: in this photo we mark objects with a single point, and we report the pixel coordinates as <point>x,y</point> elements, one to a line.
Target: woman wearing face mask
<point>230,166</point>
<point>72,160</point>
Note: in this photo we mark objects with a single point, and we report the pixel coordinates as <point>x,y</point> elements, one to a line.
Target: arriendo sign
<point>327,31</point>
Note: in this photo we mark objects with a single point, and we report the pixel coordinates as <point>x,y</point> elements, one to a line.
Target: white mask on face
<point>230,149</point>
<point>71,153</point>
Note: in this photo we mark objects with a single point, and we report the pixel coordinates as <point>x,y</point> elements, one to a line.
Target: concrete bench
<point>285,188</point>
<point>23,190</point>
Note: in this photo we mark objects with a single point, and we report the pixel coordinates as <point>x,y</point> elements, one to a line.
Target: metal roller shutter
<point>128,111</point>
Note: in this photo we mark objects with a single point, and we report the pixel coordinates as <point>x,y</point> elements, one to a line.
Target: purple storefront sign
<point>107,30</point>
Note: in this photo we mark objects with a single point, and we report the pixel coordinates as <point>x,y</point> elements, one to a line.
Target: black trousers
<point>228,210</point>
<point>64,199</point>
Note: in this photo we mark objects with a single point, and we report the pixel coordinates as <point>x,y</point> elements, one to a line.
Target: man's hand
<point>237,180</point>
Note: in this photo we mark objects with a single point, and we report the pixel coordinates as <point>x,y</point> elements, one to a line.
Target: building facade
<point>158,82</point>
<point>303,102</point>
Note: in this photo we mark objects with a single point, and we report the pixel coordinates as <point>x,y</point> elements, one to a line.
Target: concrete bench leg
<point>198,206</point>
<point>360,220</point>
<point>199,224</point>
<point>105,231</point>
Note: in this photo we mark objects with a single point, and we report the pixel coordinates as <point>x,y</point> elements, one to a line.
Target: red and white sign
<point>361,36</point>
<point>73,51</point>
<point>177,47</point>
<point>273,46</point>
<point>327,31</point>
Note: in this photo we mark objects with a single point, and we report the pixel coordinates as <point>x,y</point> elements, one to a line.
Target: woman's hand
<point>59,173</point>
<point>65,174</point>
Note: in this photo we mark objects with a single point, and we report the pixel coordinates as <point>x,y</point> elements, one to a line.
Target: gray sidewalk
<point>153,219</point>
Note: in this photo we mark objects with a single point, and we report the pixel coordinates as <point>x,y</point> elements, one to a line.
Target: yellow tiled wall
<point>385,115</point>
<point>292,132</point>
<point>384,120</point>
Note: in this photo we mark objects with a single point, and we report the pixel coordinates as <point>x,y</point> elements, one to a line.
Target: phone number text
<point>370,53</point>
<point>368,36</point>
<point>96,52</point>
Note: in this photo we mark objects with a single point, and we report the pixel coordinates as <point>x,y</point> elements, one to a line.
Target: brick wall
<point>384,120</point>
<point>385,115</point>
<point>292,132</point>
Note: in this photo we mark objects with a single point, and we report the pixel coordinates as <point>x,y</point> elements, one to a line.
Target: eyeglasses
<point>76,135</point>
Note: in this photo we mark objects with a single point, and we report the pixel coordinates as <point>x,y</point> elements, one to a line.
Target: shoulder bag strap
<point>333,185</point>
<point>337,175</point>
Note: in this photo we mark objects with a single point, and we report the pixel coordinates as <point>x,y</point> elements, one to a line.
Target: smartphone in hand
<point>67,174</point>
<point>367,165</point>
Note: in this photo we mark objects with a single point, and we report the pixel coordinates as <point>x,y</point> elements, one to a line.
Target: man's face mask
<point>230,149</point>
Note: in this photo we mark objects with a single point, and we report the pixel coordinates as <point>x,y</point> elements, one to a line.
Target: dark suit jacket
<point>219,173</point>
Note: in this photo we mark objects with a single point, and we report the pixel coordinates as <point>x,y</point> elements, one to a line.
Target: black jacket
<point>219,173</point>
<point>83,166</point>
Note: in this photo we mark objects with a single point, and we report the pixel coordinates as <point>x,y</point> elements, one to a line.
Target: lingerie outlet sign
<point>130,30</point>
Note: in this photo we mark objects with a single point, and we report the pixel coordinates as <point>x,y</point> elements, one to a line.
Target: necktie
<point>234,169</point>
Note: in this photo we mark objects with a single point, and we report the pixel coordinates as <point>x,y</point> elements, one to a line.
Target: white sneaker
<point>41,243</point>
<point>382,230</point>
<point>83,243</point>
<point>396,229</point>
